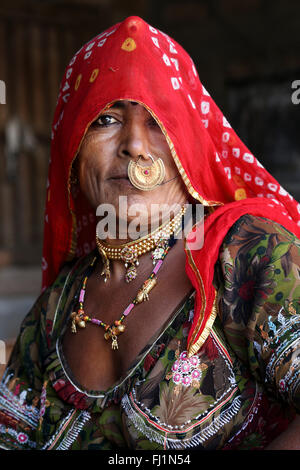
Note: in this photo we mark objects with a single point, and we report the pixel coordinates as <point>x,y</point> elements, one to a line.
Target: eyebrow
<point>122,105</point>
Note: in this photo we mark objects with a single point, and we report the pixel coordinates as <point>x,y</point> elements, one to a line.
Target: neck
<point>131,253</point>
<point>117,268</point>
<point>129,231</point>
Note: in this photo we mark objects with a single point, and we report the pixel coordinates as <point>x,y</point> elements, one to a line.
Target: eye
<point>105,120</point>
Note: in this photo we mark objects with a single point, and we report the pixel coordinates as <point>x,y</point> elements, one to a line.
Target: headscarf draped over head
<point>135,61</point>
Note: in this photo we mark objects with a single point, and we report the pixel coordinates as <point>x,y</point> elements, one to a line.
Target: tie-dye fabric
<point>135,61</point>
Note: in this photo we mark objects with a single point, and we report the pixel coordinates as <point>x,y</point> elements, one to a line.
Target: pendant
<point>77,320</point>
<point>160,250</point>
<point>129,256</point>
<point>131,273</point>
<point>73,325</point>
<point>143,293</point>
<point>105,271</point>
<point>112,334</point>
<point>157,254</point>
<point>114,342</point>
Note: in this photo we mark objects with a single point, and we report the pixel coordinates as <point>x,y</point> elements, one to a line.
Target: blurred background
<point>247,54</point>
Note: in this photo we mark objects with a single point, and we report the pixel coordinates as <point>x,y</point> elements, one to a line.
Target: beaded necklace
<point>80,319</point>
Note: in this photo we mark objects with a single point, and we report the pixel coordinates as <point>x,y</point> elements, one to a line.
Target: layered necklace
<point>164,239</point>
<point>130,252</point>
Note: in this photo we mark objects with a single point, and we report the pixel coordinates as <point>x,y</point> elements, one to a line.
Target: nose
<point>134,141</point>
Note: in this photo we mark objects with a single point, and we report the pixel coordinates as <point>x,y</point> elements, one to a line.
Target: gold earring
<point>146,178</point>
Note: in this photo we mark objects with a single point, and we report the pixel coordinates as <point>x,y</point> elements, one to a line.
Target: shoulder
<point>254,238</point>
<point>258,265</point>
<point>250,226</point>
<point>64,290</point>
<point>252,235</point>
<point>71,270</point>
<point>45,306</point>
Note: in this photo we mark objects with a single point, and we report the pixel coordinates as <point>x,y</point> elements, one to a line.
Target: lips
<point>119,176</point>
<point>120,179</point>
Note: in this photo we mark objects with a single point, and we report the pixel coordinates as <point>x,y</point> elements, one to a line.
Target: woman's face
<point>126,132</point>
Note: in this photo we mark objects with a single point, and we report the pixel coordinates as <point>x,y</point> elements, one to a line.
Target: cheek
<point>94,153</point>
<point>89,175</point>
<point>92,163</point>
<point>90,166</point>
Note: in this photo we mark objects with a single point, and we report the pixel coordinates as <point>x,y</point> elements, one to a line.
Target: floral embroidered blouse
<point>238,392</point>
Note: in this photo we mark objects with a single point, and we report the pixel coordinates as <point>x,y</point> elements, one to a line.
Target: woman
<point>199,350</point>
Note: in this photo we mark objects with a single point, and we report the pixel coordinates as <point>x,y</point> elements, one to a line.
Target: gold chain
<point>142,245</point>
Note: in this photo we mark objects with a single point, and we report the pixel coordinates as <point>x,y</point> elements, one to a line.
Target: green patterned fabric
<point>239,392</point>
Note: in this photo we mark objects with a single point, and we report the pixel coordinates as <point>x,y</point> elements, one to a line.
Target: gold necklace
<point>130,252</point>
<point>80,318</point>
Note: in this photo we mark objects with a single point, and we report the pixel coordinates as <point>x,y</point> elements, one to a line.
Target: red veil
<point>134,61</point>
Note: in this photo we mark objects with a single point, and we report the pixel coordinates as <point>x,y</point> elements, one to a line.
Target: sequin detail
<point>186,370</point>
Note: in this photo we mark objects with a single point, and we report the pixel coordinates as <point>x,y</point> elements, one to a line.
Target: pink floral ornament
<point>183,355</point>
<point>186,370</point>
<point>196,374</point>
<point>186,380</point>
<point>177,378</point>
<point>22,438</point>
<point>194,360</point>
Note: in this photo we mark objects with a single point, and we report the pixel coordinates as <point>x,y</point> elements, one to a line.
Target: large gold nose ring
<point>146,178</point>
